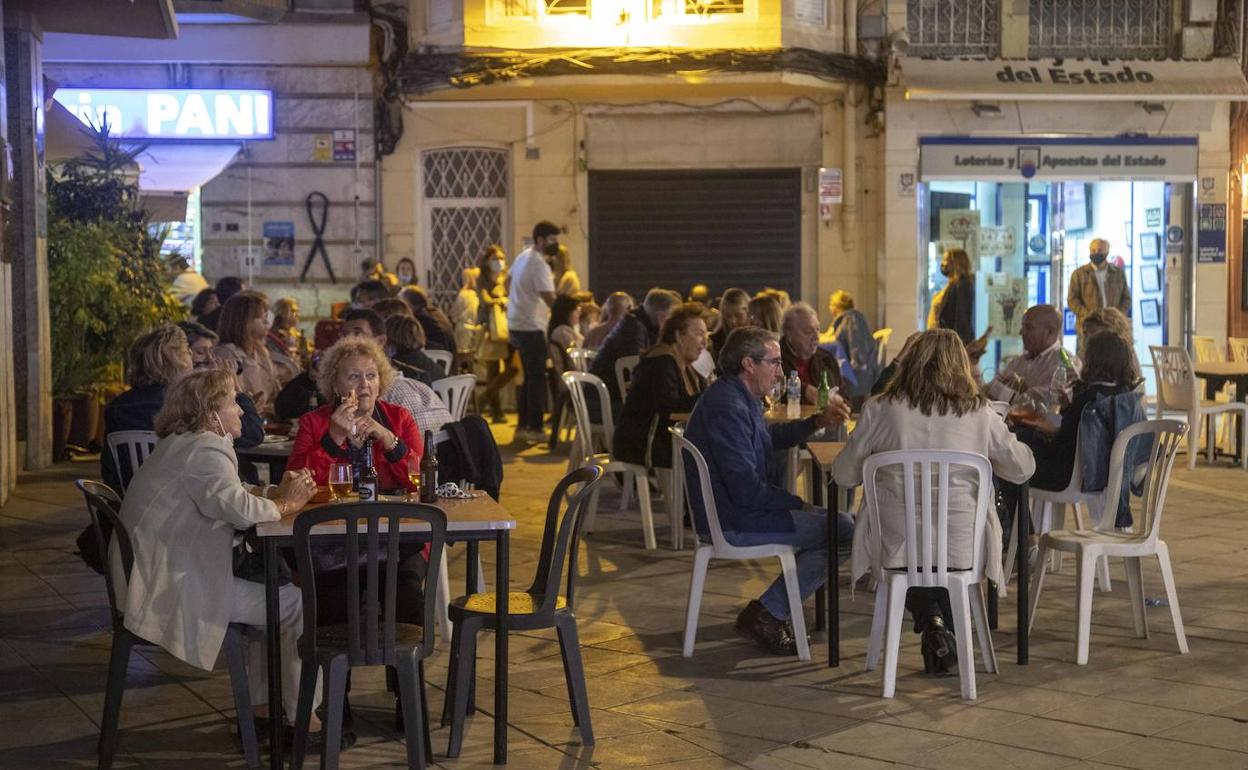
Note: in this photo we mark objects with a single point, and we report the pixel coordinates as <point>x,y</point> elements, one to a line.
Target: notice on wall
<point>831,191</point>
<point>279,244</point>
<point>905,184</point>
<point>344,144</point>
<point>1211,233</point>
<point>1152,217</point>
<point>997,241</point>
<point>961,225</point>
<point>1007,299</point>
<point>322,148</point>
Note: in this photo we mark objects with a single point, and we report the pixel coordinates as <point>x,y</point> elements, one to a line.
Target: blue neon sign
<point>173,113</point>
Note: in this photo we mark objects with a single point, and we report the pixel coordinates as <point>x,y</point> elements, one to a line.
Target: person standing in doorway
<point>532,291</point>
<point>1097,285</point>
<point>953,307</point>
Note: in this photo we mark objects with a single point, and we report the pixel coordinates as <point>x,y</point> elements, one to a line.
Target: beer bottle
<point>825,391</point>
<point>368,476</point>
<point>428,472</point>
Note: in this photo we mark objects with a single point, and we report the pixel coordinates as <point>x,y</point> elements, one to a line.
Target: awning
<point>1073,80</point>
<point>65,135</point>
<point>167,167</point>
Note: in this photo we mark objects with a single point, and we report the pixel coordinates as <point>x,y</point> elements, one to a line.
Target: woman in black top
<point>954,307</point>
<point>1108,369</point>
<point>663,382</point>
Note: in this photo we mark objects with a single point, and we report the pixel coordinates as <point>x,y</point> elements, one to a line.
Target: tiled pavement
<point>1137,704</point>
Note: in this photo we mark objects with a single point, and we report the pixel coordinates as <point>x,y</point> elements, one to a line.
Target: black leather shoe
<point>764,629</point>
<point>940,652</point>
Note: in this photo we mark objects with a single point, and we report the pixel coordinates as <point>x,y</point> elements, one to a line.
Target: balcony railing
<point>954,27</point>
<point>1110,29</point>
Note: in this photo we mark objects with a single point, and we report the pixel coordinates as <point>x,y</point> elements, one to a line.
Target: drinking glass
<point>412,462</point>
<point>340,477</point>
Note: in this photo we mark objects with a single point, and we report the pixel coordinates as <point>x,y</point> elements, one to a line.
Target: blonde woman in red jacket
<point>352,375</point>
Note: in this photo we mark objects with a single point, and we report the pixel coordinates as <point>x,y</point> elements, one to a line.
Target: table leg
<point>473,562</point>
<point>834,577</point>
<point>993,608</point>
<point>272,640</point>
<point>1022,525</point>
<point>821,596</point>
<point>502,542</point>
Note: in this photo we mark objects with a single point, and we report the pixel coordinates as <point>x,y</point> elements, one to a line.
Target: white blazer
<point>886,426</point>
<point>182,509</point>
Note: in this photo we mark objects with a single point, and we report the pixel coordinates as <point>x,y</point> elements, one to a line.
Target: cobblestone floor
<point>1137,704</point>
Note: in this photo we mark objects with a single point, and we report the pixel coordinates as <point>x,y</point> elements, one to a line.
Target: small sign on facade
<point>905,184</point>
<point>830,191</point>
<point>279,244</point>
<point>1211,233</point>
<point>1152,217</point>
<point>344,144</point>
<point>322,148</point>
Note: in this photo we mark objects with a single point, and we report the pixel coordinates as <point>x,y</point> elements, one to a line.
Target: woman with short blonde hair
<point>183,509</point>
<point>330,367</point>
<point>158,356</point>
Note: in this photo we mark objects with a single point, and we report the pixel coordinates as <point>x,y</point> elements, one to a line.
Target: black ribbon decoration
<point>318,229</point>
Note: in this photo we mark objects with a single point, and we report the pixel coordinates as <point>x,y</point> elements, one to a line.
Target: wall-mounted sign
<point>279,243</point>
<point>1211,233</point>
<point>322,151</point>
<point>173,113</point>
<point>905,184</point>
<point>344,144</point>
<point>1152,217</point>
<point>1067,159</point>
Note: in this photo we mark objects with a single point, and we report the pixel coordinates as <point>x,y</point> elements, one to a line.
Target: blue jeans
<point>532,406</point>
<point>810,535</point>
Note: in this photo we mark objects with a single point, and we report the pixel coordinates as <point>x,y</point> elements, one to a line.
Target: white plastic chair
<point>720,548</point>
<point>1088,545</point>
<point>581,358</point>
<point>881,344</point>
<point>455,392</point>
<point>926,528</point>
<point>132,445</point>
<point>443,358</point>
<point>589,454</point>
<point>1177,391</point>
<point>624,366</point>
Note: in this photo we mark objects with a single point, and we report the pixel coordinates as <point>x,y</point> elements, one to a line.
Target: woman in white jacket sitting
<point>932,403</point>
<point>183,509</point>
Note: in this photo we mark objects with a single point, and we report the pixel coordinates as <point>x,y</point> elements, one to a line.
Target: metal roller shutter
<point>676,228</point>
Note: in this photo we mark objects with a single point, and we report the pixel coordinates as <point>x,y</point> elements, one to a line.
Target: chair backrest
<point>581,358</point>
<point>104,508</point>
<point>577,383</point>
<point>1176,379</point>
<point>624,366</point>
<point>443,358</point>
<point>881,339</point>
<point>129,449</point>
<point>926,524</point>
<point>561,537</point>
<point>370,627</point>
<point>1239,348</point>
<point>455,392</point>
<point>1207,349</point>
<point>687,452</point>
<point>1162,447</point>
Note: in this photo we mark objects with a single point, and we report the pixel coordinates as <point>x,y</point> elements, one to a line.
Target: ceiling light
<point>985,110</point>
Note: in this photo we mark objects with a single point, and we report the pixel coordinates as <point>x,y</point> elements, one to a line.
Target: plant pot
<point>87,417</point>
<point>62,417</point>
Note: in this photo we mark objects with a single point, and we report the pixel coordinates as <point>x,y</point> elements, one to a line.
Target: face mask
<point>405,277</point>
<point>225,434</point>
<point>1098,259</point>
<point>268,318</point>
<point>946,271</point>
<point>496,265</point>
<point>551,249</point>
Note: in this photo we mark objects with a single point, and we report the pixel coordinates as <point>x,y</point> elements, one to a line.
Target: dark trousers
<point>532,348</point>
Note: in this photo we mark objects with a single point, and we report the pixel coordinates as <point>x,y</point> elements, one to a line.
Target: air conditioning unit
<point>1197,42</point>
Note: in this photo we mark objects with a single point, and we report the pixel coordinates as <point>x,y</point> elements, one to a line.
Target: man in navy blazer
<point>728,427</point>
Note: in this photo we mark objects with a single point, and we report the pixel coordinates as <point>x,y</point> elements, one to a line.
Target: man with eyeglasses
<point>740,448</point>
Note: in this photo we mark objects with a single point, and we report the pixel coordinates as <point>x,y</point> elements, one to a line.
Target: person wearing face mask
<point>496,355</point>
<point>953,307</point>
<point>1097,285</point>
<point>184,509</point>
<point>243,328</point>
<point>532,288</point>
<point>405,270</point>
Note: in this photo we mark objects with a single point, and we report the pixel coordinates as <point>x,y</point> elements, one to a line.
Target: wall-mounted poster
<point>1150,279</point>
<point>1150,246</point>
<point>279,244</point>
<point>961,225</point>
<point>1150,312</point>
<point>1007,298</point>
<point>997,241</point>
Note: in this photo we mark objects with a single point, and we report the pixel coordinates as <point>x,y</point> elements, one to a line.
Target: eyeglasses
<point>774,363</point>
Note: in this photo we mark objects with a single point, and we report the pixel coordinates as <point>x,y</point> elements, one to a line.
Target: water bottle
<point>793,401</point>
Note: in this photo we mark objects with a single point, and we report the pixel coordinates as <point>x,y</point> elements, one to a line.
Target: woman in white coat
<point>932,403</point>
<point>183,509</point>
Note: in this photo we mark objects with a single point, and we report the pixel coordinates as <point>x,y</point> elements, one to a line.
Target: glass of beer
<point>412,463</point>
<point>340,475</point>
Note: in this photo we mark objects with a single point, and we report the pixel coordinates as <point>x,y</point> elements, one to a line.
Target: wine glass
<point>412,463</point>
<point>340,477</point>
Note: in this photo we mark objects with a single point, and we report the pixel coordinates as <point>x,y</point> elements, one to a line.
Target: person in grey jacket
<point>727,426</point>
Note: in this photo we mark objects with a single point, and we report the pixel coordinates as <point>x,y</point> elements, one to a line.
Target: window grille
<point>954,27</point>
<point>1135,29</point>
<point>465,191</point>
<point>465,172</point>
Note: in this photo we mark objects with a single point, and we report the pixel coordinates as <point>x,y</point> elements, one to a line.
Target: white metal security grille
<point>465,202</point>
<point>953,27</point>
<point>1100,28</point>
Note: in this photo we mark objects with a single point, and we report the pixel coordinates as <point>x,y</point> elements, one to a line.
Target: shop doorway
<point>1027,238</point>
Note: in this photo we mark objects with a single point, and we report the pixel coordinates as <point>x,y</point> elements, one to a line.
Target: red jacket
<point>315,450</point>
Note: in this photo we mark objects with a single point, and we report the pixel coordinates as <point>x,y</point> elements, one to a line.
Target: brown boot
<point>764,629</point>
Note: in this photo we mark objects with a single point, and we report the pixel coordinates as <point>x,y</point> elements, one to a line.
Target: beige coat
<point>1085,296</point>
<point>182,509</point>
<point>886,426</point>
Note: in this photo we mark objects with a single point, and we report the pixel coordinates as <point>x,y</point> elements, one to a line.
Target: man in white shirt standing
<point>531,292</point>
<point>1032,372</point>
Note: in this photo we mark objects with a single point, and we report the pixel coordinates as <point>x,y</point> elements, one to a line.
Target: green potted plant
<point>106,281</point>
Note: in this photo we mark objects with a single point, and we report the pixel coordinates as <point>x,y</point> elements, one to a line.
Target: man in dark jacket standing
<point>634,333</point>
<point>728,427</point>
